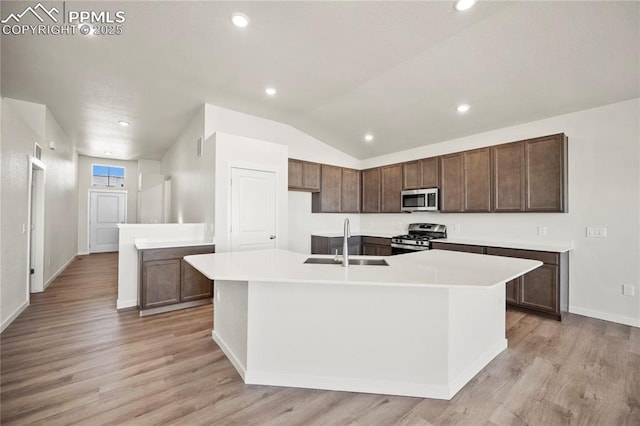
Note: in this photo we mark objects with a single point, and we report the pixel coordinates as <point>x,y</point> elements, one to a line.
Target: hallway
<point>71,358</point>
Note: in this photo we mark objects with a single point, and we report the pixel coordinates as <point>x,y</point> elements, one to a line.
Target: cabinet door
<point>508,177</point>
<point>371,190</point>
<point>477,177</point>
<point>430,172</point>
<point>350,191</point>
<point>329,198</point>
<point>539,289</point>
<point>295,174</point>
<point>160,283</point>
<point>512,291</point>
<point>391,188</point>
<point>411,175</point>
<point>311,176</point>
<point>451,183</point>
<point>194,285</point>
<point>384,250</point>
<point>546,173</point>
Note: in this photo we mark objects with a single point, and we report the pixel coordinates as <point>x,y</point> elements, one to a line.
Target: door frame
<point>106,191</point>
<point>257,168</point>
<point>36,166</point>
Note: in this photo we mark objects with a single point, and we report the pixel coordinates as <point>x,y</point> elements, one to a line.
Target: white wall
<point>301,145</point>
<point>84,186</point>
<point>604,191</point>
<point>191,176</point>
<point>237,151</point>
<point>23,124</point>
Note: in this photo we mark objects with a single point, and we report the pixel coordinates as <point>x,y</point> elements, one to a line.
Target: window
<point>110,176</point>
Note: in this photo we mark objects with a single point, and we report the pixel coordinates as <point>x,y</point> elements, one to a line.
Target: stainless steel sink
<point>332,261</point>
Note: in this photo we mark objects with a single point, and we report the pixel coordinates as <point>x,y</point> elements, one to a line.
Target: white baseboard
<point>59,271</point>
<point>231,356</point>
<point>83,253</point>
<point>13,316</point>
<point>633,322</point>
<point>469,373</point>
<point>123,304</point>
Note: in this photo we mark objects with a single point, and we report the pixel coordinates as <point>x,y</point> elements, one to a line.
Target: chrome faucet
<point>345,244</point>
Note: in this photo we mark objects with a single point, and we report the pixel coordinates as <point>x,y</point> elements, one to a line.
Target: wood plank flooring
<point>70,358</point>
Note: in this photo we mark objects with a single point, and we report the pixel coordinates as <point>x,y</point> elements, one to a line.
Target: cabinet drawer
<point>174,252</point>
<point>542,256</point>
<point>376,240</point>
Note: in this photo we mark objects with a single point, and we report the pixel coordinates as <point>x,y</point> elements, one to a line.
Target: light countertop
<point>145,243</point>
<point>555,247</point>
<point>434,268</point>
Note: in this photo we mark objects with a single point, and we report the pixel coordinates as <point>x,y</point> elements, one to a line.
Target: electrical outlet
<point>628,290</point>
<point>24,228</point>
<point>596,232</point>
<point>542,231</point>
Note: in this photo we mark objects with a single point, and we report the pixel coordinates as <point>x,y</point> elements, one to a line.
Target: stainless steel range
<point>418,237</point>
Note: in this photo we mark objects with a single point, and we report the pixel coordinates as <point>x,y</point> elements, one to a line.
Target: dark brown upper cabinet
<point>304,176</point>
<point>430,172</point>
<point>411,175</point>
<point>508,177</point>
<point>477,180</point>
<point>546,174</point>
<point>391,188</point>
<point>371,190</point>
<point>420,174</point>
<point>329,199</point>
<point>452,183</point>
<point>350,202</point>
<point>339,191</point>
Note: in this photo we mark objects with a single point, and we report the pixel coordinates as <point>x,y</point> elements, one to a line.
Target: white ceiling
<point>395,69</point>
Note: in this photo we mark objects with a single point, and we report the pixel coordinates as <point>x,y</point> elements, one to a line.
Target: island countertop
<point>430,268</point>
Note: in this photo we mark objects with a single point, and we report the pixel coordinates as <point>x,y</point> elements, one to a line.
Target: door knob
<point>272,237</point>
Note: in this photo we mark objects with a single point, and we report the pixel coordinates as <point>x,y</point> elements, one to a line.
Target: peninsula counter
<point>422,326</point>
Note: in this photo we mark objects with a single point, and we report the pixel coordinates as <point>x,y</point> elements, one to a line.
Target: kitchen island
<point>422,326</point>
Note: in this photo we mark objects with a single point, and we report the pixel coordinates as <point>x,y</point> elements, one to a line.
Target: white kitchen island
<point>422,326</point>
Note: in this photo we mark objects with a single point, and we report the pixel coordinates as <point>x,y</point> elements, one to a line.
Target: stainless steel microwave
<point>417,200</point>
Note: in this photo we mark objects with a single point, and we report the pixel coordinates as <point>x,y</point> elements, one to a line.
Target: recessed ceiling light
<point>271,91</point>
<point>368,137</point>
<point>463,108</point>
<point>240,20</point>
<point>464,4</point>
<point>123,123</point>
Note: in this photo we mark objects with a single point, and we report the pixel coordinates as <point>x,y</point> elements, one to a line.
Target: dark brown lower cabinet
<point>358,245</point>
<point>166,280</point>
<point>543,291</point>
<point>376,246</point>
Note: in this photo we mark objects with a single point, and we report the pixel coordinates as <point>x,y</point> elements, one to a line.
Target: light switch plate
<point>628,290</point>
<point>596,232</point>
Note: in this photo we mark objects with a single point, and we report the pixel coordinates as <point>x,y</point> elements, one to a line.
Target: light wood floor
<point>70,358</point>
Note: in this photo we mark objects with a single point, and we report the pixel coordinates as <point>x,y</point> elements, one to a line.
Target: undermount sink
<point>332,261</point>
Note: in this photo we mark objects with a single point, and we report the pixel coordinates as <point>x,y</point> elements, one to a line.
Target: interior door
<point>108,209</point>
<point>253,209</point>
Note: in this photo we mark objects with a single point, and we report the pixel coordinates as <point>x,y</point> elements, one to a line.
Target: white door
<point>108,209</point>
<point>253,209</point>
<point>36,229</point>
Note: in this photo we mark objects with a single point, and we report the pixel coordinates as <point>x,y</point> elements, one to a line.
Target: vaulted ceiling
<point>396,70</point>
